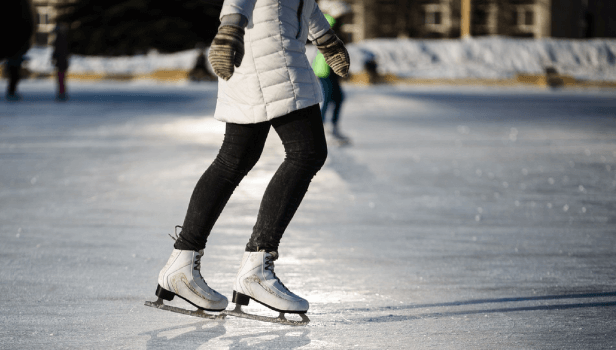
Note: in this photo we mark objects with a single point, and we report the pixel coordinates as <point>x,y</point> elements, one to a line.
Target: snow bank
<point>39,60</point>
<point>489,58</point>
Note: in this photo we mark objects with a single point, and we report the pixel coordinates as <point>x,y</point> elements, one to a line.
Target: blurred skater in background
<point>199,71</point>
<point>332,92</point>
<point>60,59</point>
<point>13,70</point>
<point>17,27</point>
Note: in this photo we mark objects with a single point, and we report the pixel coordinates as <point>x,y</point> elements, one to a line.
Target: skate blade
<point>198,313</point>
<point>238,312</point>
<point>340,142</point>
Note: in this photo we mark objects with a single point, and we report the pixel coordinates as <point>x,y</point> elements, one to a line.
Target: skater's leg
<point>326,88</point>
<point>241,148</point>
<point>338,98</point>
<point>13,80</point>
<point>324,110</point>
<point>61,88</point>
<point>303,138</point>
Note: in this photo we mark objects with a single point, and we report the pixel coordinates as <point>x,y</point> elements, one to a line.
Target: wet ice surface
<point>460,218</point>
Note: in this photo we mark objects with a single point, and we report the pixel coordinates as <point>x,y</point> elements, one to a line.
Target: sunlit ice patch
<point>200,129</point>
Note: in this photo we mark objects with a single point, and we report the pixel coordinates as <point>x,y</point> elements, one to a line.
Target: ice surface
<point>439,228</point>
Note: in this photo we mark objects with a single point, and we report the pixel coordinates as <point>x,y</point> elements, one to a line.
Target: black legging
<point>303,138</point>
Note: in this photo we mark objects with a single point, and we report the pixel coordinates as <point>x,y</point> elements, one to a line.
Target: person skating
<point>199,71</point>
<point>60,59</point>
<point>265,80</point>
<point>332,92</point>
<point>13,68</point>
<point>17,23</point>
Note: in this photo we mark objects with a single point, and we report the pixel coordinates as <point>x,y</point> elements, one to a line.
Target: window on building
<point>526,21</point>
<point>436,18</point>
<point>43,18</point>
<point>484,19</point>
<point>433,17</point>
<point>517,17</point>
<point>524,18</point>
<point>481,17</point>
<point>529,18</point>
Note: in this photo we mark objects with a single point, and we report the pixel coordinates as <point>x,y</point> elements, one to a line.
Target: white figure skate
<point>182,277</point>
<point>256,280</point>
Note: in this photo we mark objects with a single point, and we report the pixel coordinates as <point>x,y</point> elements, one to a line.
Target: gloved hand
<point>335,53</point>
<point>227,50</point>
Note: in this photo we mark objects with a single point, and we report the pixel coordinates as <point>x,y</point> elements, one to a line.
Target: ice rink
<point>460,218</point>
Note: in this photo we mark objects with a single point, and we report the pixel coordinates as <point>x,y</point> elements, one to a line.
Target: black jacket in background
<point>60,50</point>
<point>16,27</point>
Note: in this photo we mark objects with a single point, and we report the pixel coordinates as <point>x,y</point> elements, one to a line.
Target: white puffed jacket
<point>275,77</point>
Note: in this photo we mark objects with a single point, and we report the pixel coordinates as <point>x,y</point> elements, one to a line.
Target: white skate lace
<point>197,257</point>
<point>177,236</point>
<point>269,265</point>
<point>198,261</point>
<point>198,265</point>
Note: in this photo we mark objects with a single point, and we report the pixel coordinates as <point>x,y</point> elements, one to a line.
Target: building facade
<point>583,19</point>
<point>441,18</point>
<point>368,19</point>
<point>45,20</point>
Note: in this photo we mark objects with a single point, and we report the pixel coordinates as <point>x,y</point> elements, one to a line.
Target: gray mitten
<point>227,50</point>
<point>335,53</point>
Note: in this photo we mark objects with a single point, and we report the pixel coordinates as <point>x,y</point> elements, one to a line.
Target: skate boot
<point>340,138</point>
<point>182,277</point>
<point>256,280</point>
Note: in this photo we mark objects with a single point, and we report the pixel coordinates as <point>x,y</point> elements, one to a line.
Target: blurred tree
<point>128,27</point>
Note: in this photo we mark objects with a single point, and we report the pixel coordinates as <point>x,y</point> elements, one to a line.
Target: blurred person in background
<point>267,82</point>
<point>332,91</point>
<point>60,59</point>
<point>13,70</point>
<point>17,27</point>
<point>199,71</point>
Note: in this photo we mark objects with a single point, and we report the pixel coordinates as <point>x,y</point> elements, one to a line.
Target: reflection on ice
<point>204,129</point>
